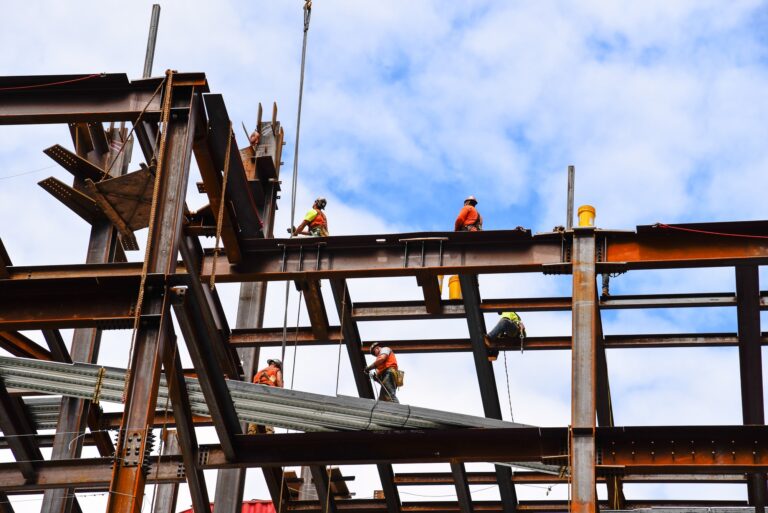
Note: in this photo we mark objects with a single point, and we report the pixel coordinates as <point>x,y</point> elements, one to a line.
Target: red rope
<point>37,86</point>
<point>705,232</point>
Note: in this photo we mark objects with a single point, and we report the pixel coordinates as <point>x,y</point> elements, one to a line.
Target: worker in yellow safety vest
<point>509,326</point>
<point>315,221</point>
<point>271,376</point>
<point>385,372</point>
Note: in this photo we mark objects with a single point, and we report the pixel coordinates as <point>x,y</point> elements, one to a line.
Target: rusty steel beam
<point>353,343</point>
<point>185,428</point>
<point>17,428</point>
<point>318,317</point>
<point>604,405</point>
<point>656,247</point>
<point>67,304</point>
<point>583,384</point>
<point>20,345</point>
<point>210,374</point>
<point>432,294</point>
<point>750,367</point>
<point>166,494</point>
<point>463,495</point>
<point>86,98</point>
<point>540,478</point>
<point>129,478</point>
<point>323,487</point>
<point>273,337</point>
<point>646,453</point>
<point>362,256</point>
<point>5,261</point>
<point>489,395</point>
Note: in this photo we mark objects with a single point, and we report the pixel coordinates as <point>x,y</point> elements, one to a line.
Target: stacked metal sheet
<point>291,409</point>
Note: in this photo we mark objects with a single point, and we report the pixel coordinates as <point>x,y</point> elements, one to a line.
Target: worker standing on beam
<point>271,376</point>
<point>509,326</point>
<point>315,221</point>
<point>385,372</point>
<point>469,219</point>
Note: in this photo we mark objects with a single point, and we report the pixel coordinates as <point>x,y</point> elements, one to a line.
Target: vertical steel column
<point>470,291</point>
<point>584,368</point>
<point>129,475</point>
<point>73,413</point>
<point>166,494</point>
<point>750,366</point>
<point>230,483</point>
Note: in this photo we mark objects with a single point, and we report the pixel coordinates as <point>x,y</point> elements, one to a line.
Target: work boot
<point>493,354</point>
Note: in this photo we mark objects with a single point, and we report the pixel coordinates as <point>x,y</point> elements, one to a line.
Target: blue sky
<point>411,106</point>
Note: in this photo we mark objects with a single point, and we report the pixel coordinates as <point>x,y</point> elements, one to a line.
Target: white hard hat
<point>276,361</point>
<point>472,199</point>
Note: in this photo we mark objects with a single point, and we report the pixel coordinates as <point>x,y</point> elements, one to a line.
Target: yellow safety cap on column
<point>586,215</point>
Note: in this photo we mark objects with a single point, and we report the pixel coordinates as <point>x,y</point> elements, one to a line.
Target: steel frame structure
<point>190,122</point>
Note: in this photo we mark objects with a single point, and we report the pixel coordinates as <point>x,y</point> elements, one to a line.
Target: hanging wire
<point>8,177</point>
<point>509,394</point>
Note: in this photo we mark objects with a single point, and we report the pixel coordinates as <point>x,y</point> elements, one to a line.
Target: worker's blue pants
<point>504,327</point>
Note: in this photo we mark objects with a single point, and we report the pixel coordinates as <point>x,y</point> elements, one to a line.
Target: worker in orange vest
<point>271,376</point>
<point>385,372</point>
<point>469,219</point>
<point>315,220</point>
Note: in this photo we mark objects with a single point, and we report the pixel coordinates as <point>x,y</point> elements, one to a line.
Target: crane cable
<point>295,177</point>
<point>294,181</point>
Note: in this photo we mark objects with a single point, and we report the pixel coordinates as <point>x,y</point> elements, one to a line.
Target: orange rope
<point>705,232</point>
<point>37,86</point>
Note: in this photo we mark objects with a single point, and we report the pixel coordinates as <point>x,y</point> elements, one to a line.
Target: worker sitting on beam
<point>315,220</point>
<point>509,326</point>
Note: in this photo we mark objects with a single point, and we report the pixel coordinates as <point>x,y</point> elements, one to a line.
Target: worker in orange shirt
<point>385,373</point>
<point>271,376</point>
<point>469,219</point>
<point>315,221</point>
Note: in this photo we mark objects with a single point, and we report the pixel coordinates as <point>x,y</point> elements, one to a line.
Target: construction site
<point>186,257</point>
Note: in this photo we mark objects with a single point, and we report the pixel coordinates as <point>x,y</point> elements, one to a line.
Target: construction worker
<point>254,138</point>
<point>271,376</point>
<point>385,372</point>
<point>469,219</point>
<point>315,220</point>
<point>509,326</point>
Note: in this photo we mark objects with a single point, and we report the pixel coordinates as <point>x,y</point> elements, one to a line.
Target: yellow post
<point>440,283</point>
<point>454,288</point>
<point>586,215</point>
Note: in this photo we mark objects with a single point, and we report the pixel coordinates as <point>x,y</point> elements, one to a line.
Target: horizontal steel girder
<point>106,97</point>
<point>656,451</point>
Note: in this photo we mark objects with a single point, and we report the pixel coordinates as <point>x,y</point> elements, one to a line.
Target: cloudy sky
<point>412,105</point>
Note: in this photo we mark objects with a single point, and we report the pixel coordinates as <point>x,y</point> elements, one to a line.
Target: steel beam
<point>751,367</point>
<point>185,428</point>
<point>656,247</point>
<point>167,494</point>
<point>351,337</point>
<point>17,428</point>
<point>210,374</point>
<point>463,495</point>
<point>604,405</point>
<point>86,98</point>
<point>583,385</point>
<point>470,292</point>
<point>20,345</point>
<point>323,487</point>
<point>313,297</point>
<point>432,295</point>
<point>129,477</point>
